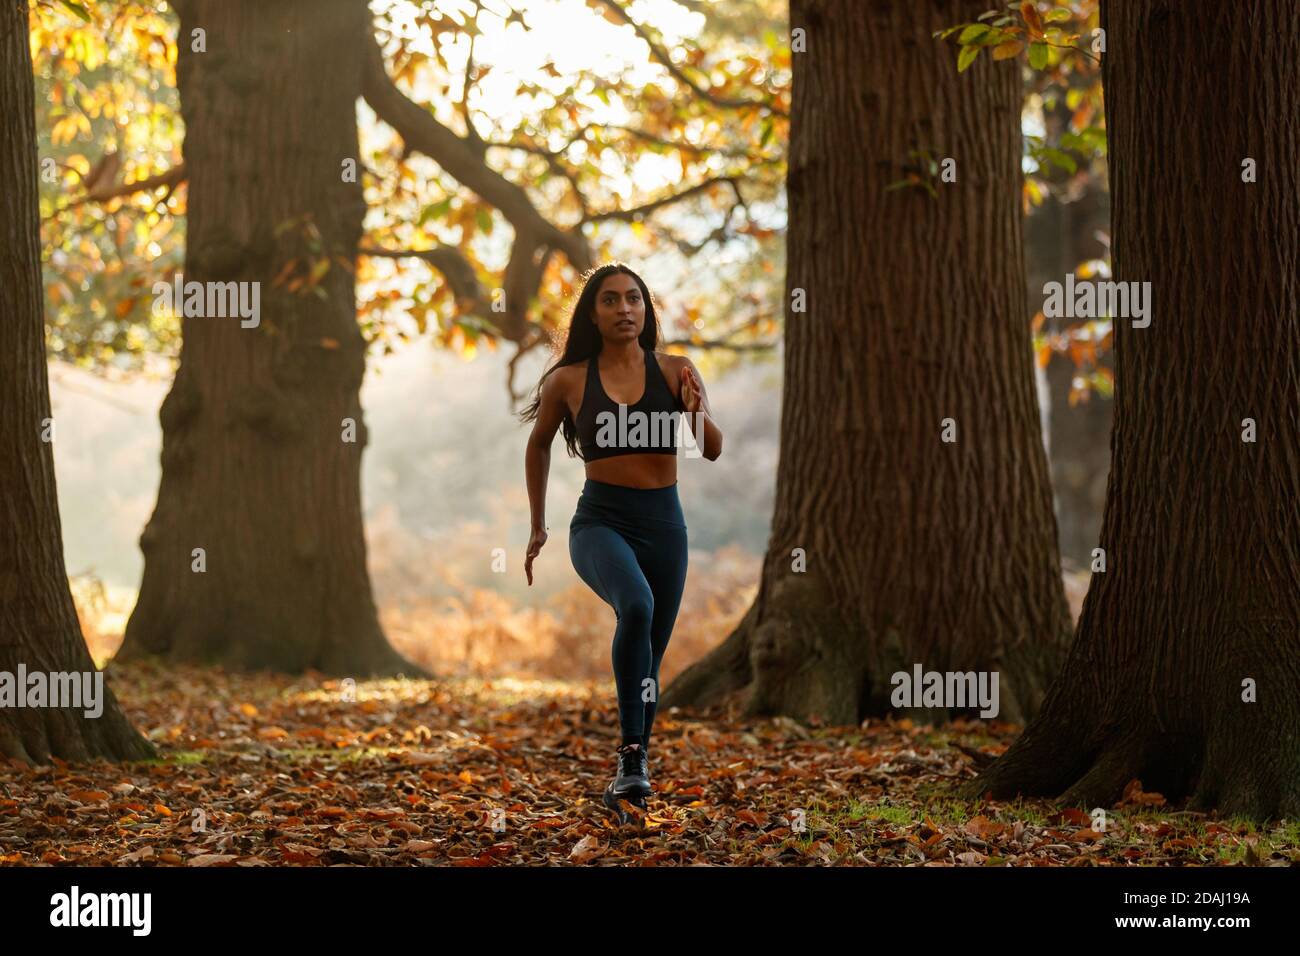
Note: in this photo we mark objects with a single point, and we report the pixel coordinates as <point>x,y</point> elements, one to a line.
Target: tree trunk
<point>256,471</point>
<point>39,630</point>
<point>917,550</point>
<point>1201,529</point>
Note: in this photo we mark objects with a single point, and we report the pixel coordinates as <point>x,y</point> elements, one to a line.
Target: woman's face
<point>620,310</point>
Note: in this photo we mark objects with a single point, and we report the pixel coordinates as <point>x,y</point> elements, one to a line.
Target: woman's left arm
<point>695,400</point>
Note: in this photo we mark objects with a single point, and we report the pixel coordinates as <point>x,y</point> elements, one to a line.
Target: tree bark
<point>256,471</point>
<point>1201,528</point>
<point>918,551</point>
<point>38,620</point>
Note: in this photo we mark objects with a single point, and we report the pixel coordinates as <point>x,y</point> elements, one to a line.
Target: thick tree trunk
<point>38,621</point>
<point>1201,529</point>
<point>918,551</point>
<point>256,471</point>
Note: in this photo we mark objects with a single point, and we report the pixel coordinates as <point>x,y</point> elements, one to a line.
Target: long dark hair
<point>582,341</point>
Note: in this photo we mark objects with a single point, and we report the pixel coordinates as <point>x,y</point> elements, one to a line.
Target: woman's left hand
<point>690,390</point>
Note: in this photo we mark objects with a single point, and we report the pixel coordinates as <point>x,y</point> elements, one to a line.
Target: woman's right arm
<point>537,462</point>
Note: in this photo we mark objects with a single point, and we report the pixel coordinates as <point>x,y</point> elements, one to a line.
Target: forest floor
<point>257,770</point>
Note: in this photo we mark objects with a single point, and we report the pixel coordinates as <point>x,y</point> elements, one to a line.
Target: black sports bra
<point>606,428</point>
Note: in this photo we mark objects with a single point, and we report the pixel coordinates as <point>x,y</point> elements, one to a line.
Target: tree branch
<point>660,54</point>
<point>722,234</point>
<point>553,159</point>
<point>535,235</point>
<point>640,212</point>
<point>722,344</point>
<point>736,152</point>
<point>454,267</point>
<point>539,337</point>
<point>728,339</point>
<point>171,179</point>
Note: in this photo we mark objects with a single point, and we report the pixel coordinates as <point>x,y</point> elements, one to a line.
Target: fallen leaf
<point>418,757</point>
<point>88,796</point>
<point>983,827</point>
<point>586,850</point>
<point>1134,795</point>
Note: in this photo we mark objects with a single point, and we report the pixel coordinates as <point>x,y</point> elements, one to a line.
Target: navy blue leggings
<point>629,545</point>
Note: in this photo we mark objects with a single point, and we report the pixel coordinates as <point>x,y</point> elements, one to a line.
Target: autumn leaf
<point>418,846</point>
<point>1133,795</point>
<point>1005,51</point>
<point>549,823</point>
<point>78,9</point>
<point>983,828</point>
<point>418,757</point>
<point>1032,19</point>
<point>586,850</point>
<point>1082,116</point>
<point>88,796</point>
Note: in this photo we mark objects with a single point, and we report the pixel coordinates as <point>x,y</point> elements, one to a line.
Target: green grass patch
<point>884,812</point>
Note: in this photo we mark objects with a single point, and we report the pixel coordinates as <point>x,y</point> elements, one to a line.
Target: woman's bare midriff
<point>635,471</point>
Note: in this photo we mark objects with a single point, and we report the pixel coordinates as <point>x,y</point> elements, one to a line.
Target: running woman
<point>616,401</point>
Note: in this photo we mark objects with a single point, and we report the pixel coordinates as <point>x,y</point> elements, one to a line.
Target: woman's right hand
<point>535,543</point>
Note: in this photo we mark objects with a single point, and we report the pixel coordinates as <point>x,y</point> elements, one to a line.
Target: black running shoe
<point>633,778</point>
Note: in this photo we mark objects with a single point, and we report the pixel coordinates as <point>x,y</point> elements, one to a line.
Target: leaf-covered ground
<point>260,770</point>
